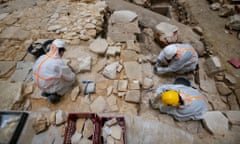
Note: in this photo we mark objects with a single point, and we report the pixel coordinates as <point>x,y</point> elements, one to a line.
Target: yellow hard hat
<point>170,97</point>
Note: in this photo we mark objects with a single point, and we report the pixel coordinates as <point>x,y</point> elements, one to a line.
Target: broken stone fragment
<point>75,139</point>
<point>60,117</point>
<point>75,92</point>
<point>99,46</point>
<point>88,128</point>
<point>79,124</point>
<point>110,71</point>
<point>234,23</point>
<point>111,122</point>
<point>85,64</point>
<point>116,132</point>
<point>40,124</point>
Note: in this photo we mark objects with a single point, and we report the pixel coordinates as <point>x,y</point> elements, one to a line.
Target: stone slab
<point>133,96</point>
<point>22,72</point>
<point>15,33</point>
<point>233,117</point>
<point>216,122</point>
<point>98,105</point>
<point>9,92</point>
<point>133,70</point>
<point>5,67</point>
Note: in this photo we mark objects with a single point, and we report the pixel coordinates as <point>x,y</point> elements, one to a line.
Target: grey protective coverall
<point>194,105</point>
<point>186,60</point>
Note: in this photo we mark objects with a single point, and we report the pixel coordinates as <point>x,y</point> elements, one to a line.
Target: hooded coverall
<point>186,60</point>
<point>51,74</point>
<point>194,105</point>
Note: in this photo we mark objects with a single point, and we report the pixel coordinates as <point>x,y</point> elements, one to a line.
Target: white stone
<point>75,139</point>
<point>99,46</point>
<point>122,85</point>
<point>88,128</point>
<point>60,117</point>
<point>233,117</point>
<point>85,64</point>
<point>110,71</point>
<point>123,16</point>
<point>98,105</point>
<point>147,83</point>
<point>111,122</point>
<point>113,50</point>
<point>109,90</point>
<point>54,27</point>
<point>216,122</point>
<point>167,33</point>
<point>116,132</point>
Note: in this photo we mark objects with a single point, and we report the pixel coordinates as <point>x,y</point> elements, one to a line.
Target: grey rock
<point>123,16</point>
<point>233,117</point>
<point>15,33</point>
<point>124,27</point>
<point>99,46</point>
<point>223,89</point>
<point>98,105</point>
<point>110,71</point>
<point>121,37</point>
<point>213,65</point>
<point>216,122</point>
<point>133,70</point>
<point>133,96</point>
<point>234,22</point>
<point>85,64</point>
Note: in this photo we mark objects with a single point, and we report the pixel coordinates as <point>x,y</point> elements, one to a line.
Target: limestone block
<point>88,128</point>
<point>99,46</point>
<point>123,16</point>
<point>110,71</point>
<point>133,70</point>
<point>213,65</point>
<point>133,96</point>
<point>75,92</point>
<point>85,64</point>
<point>232,101</point>
<point>147,83</point>
<point>79,124</point>
<point>216,122</point>
<point>98,105</point>
<point>234,22</point>
<point>60,117</point>
<point>15,33</point>
<point>122,85</point>
<point>113,51</point>
<point>166,33</point>
<point>233,117</point>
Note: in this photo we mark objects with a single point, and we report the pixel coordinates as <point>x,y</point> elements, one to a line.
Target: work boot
<point>54,98</point>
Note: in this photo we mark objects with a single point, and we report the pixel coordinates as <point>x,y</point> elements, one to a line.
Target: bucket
<point>182,81</point>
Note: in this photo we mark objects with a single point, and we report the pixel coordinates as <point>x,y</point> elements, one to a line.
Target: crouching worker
<point>52,76</point>
<point>179,58</point>
<point>183,102</point>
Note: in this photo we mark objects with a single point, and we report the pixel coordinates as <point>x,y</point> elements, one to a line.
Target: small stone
<point>116,132</point>
<point>111,100</point>
<point>122,85</point>
<point>75,92</point>
<point>234,22</point>
<point>134,85</point>
<point>75,139</point>
<point>115,86</point>
<point>111,122</point>
<point>123,16</point>
<point>215,6</point>
<point>232,101</point>
<point>166,33</point>
<point>233,117</point>
<point>133,96</point>
<point>216,122</point>
<point>85,64</point>
<point>99,46</point>
<point>113,51</point>
<point>219,77</point>
<point>98,105</point>
<point>79,124</point>
<point>60,117</point>
<point>119,68</point>
<point>54,27</point>
<point>223,89</point>
<point>110,71</point>
<point>88,128</point>
<point>147,83</point>
<point>230,78</point>
<point>198,30</point>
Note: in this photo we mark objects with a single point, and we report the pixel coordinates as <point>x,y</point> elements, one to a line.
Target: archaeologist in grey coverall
<point>179,58</point>
<point>52,76</point>
<point>183,102</point>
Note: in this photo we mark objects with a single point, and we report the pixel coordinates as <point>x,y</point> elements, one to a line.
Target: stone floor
<point>124,78</point>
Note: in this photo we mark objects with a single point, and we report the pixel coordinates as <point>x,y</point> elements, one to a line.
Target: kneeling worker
<point>183,102</point>
<point>179,58</point>
<point>52,76</point>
